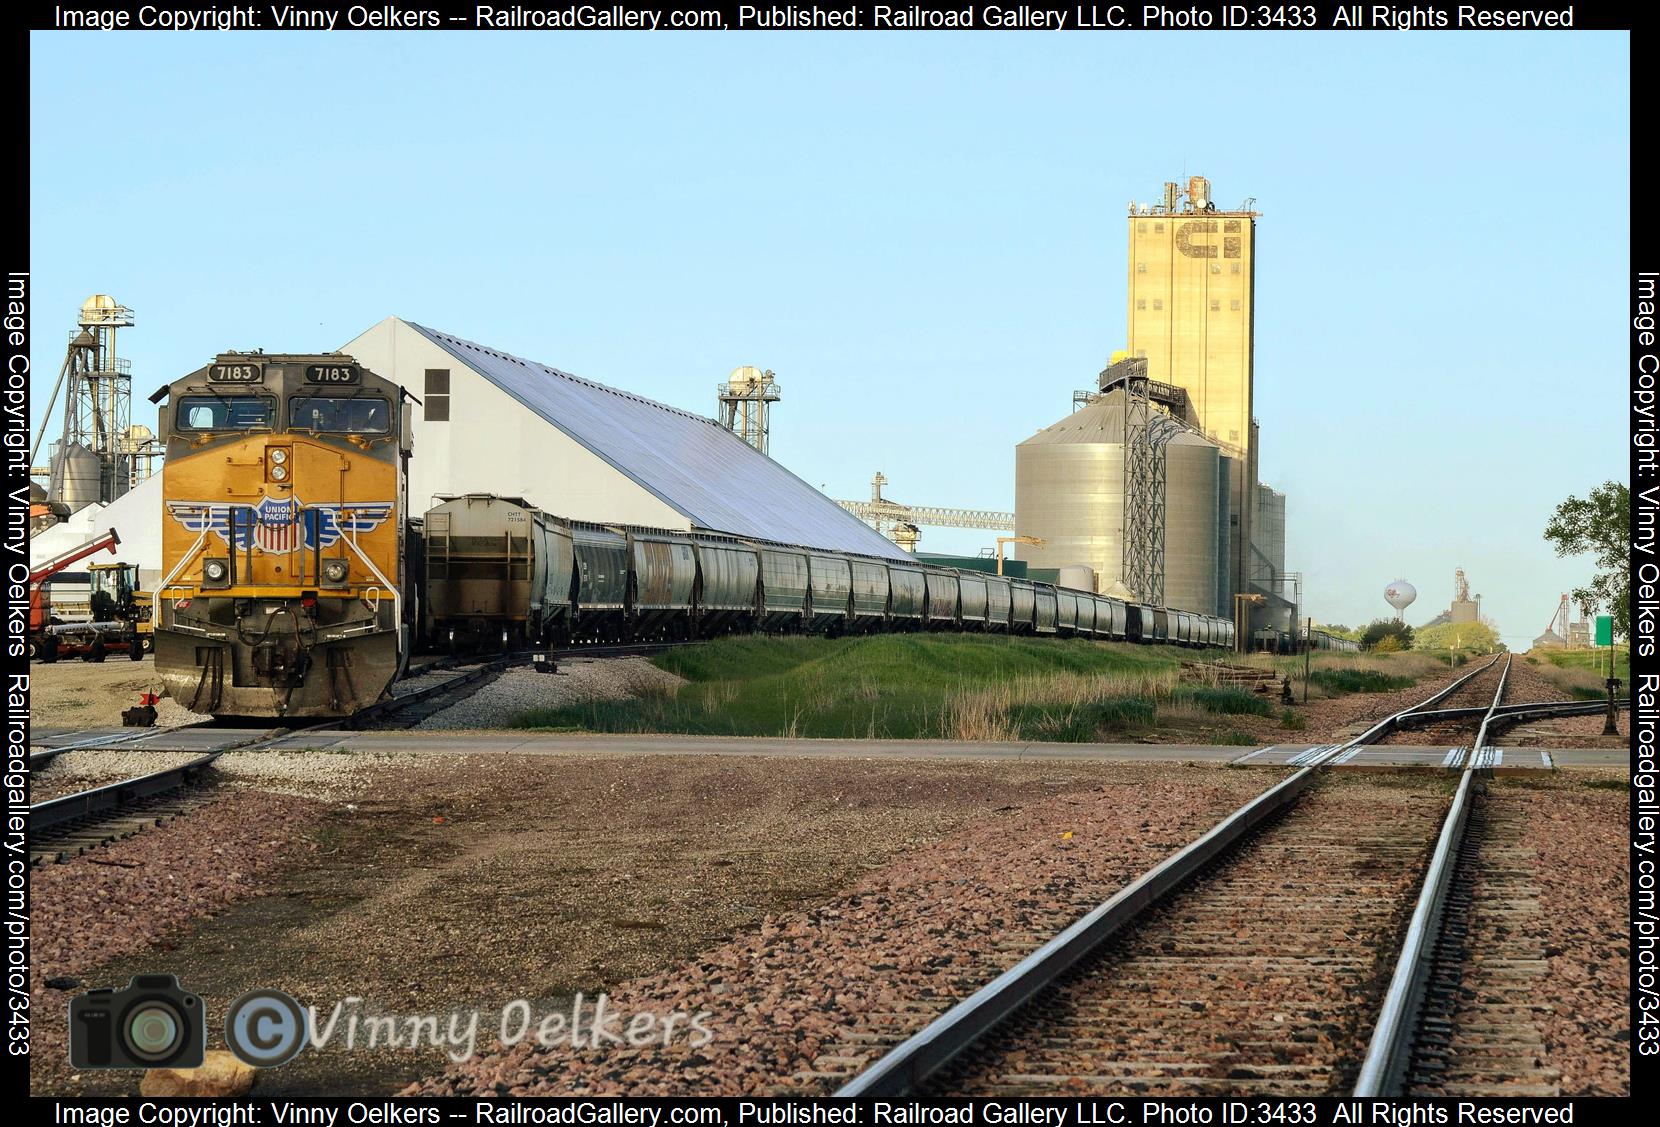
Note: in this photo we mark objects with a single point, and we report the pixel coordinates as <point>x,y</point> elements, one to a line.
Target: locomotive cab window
<point>226,412</point>
<point>324,414</point>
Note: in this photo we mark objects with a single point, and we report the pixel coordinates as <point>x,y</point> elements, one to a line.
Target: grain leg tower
<point>1190,336</point>
<point>1192,305</point>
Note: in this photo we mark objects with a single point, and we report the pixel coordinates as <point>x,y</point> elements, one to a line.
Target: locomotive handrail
<point>397,596</point>
<point>184,561</point>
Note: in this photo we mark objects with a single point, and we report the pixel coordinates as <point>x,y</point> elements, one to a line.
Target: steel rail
<point>1541,708</point>
<point>1389,1053</point>
<point>1391,723</point>
<point>381,708</point>
<point>909,1065</point>
<point>100,801</point>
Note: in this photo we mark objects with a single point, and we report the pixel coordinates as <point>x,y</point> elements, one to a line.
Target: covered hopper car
<point>557,581</point>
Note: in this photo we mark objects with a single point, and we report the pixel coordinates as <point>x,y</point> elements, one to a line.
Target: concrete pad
<point>587,744</point>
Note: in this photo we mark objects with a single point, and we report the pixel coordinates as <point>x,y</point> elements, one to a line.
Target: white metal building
<point>491,422</point>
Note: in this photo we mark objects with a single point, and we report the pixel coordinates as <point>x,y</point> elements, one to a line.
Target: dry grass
<point>1576,682</point>
<point>1003,711</point>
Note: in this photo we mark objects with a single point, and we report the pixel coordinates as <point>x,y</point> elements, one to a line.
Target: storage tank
<point>1069,482</point>
<point>76,477</point>
<point>1190,512</point>
<point>1068,490</point>
<point>1224,536</point>
<point>1079,577</point>
<point>1268,532</point>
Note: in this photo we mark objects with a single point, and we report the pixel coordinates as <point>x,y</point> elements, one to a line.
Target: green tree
<point>1398,633</point>
<point>1475,636</point>
<point>1598,525</point>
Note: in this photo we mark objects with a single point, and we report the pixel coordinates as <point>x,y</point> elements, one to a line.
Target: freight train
<point>296,584</point>
<point>501,573</point>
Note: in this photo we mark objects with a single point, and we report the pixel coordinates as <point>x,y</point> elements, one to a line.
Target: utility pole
<point>1308,657</point>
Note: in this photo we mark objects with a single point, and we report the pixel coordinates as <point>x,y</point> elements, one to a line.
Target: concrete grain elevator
<point>1152,481</point>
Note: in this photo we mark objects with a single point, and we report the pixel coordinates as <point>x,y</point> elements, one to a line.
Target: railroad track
<point>1451,1025</point>
<point>1235,965</point>
<point>68,826</point>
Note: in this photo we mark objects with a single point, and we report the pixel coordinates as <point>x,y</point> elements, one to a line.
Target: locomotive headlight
<point>216,573</point>
<point>276,463</point>
<point>335,572</point>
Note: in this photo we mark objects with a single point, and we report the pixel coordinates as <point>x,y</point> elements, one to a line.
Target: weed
<point>1359,681</point>
<point>1228,700</point>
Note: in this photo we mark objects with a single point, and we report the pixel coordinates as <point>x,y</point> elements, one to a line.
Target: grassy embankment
<point>1581,673</point>
<point>934,687</point>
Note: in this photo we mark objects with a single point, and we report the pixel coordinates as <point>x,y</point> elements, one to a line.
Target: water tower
<point>1400,594</point>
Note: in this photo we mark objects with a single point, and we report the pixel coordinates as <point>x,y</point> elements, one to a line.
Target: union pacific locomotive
<point>283,536</point>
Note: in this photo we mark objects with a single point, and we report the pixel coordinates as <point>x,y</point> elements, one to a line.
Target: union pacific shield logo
<point>280,525</point>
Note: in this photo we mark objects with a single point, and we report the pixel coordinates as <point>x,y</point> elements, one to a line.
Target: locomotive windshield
<point>227,412</point>
<point>323,414</point>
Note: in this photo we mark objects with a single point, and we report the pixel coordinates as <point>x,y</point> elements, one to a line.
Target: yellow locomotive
<point>282,591</point>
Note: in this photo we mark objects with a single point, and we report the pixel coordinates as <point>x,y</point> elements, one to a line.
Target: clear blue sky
<point>923,235</point>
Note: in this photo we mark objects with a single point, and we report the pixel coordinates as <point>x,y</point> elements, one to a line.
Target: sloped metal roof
<point>689,462</point>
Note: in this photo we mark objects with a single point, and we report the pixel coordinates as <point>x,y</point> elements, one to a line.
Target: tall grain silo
<point>77,476</point>
<point>1069,491</point>
<point>1224,540</point>
<point>1268,536</point>
<point>1190,514</point>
